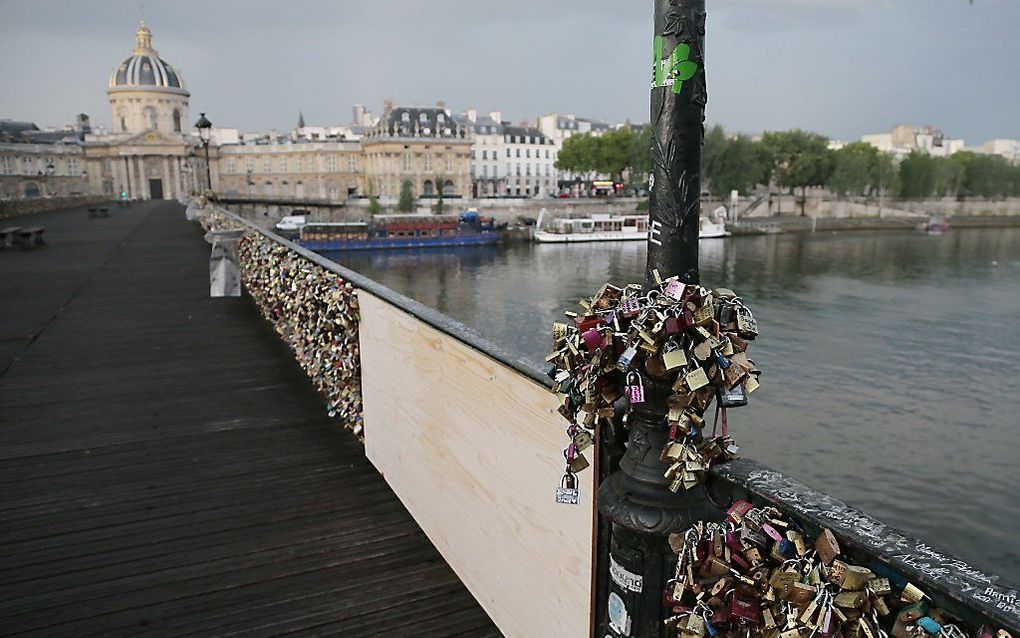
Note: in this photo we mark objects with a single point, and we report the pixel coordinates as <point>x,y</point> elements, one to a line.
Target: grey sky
<point>840,67</point>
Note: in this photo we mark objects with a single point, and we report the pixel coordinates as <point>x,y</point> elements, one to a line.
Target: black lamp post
<point>636,499</point>
<point>204,127</point>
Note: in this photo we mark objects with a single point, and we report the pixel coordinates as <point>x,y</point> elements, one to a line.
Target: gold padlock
<point>696,379</point>
<point>828,548</point>
<point>850,599</point>
<point>855,578</point>
<point>674,358</point>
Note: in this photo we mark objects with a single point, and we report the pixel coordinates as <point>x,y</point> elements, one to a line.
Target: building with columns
<point>146,156</point>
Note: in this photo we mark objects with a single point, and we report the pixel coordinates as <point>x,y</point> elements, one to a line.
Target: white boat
<point>612,228</point>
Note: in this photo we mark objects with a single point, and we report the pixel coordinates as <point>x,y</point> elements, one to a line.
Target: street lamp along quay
<point>204,127</point>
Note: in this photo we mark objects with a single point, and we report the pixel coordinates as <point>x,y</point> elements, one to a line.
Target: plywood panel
<point>470,447</point>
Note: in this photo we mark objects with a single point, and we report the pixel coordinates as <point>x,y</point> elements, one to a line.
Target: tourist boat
<point>400,231</point>
<point>608,227</point>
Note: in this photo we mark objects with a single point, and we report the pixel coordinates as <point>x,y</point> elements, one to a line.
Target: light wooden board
<point>472,448</point>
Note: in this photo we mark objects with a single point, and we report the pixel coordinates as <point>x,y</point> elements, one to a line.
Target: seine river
<point>891,359</point>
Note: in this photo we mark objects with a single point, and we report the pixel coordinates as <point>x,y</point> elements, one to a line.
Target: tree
<point>949,176</point>
<point>373,201</point>
<point>613,153</point>
<point>986,175</point>
<point>578,154</point>
<point>739,166</point>
<point>712,151</point>
<point>406,202</point>
<point>854,171</point>
<point>640,155</point>
<point>798,159</point>
<point>917,176</point>
<point>439,202</point>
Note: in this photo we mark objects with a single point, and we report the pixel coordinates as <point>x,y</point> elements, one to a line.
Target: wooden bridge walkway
<point>166,469</point>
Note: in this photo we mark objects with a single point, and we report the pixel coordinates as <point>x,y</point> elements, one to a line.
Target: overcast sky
<point>840,67</point>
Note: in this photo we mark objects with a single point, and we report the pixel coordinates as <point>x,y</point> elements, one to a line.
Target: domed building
<point>146,92</point>
<point>146,154</point>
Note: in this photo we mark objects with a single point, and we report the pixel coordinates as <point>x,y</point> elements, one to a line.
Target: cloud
<point>762,15</point>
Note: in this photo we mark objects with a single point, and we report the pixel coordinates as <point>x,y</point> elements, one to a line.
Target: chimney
<point>472,115</point>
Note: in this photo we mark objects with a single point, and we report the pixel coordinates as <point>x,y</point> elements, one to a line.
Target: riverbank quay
<point>168,470</point>
<point>789,224</point>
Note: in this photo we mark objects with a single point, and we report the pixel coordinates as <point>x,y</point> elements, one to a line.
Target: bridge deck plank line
<point>167,469</point>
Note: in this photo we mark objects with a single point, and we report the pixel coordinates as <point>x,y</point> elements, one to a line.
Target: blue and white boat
<point>400,231</point>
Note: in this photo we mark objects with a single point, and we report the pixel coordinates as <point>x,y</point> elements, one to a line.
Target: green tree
<point>439,202</point>
<point>373,201</point>
<point>406,202</point>
<point>798,159</point>
<point>613,153</point>
<point>741,167</point>
<point>949,176</point>
<point>712,151</point>
<point>641,155</point>
<point>986,175</point>
<point>886,174</point>
<point>853,172</point>
<point>578,154</point>
<point>917,176</point>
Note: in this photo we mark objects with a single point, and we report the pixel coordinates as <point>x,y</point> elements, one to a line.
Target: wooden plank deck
<point>166,468</point>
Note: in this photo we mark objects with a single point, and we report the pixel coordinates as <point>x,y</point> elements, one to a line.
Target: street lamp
<point>204,127</point>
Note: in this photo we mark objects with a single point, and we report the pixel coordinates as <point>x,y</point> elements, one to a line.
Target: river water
<point>891,359</point>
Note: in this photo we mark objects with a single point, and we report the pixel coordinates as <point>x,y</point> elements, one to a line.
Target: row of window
<point>527,154</point>
<point>149,114</point>
<point>35,165</point>
<point>526,139</point>
<point>291,164</point>
<point>447,162</point>
<point>515,169</point>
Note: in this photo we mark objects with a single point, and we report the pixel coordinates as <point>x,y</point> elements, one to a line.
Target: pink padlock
<point>772,531</point>
<point>592,339</point>
<point>635,391</point>
<point>674,290</point>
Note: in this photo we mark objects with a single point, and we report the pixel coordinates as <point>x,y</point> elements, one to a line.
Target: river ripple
<point>891,359</point>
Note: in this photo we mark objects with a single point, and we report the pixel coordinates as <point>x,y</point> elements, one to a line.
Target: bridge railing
<point>466,433</point>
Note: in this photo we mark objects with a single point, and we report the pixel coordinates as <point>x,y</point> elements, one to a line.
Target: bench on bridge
<point>95,211</point>
<point>8,235</point>
<point>30,237</point>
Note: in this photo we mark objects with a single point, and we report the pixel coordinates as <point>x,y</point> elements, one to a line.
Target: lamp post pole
<point>204,127</point>
<point>636,500</point>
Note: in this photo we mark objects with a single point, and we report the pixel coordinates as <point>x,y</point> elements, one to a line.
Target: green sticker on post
<point>673,70</point>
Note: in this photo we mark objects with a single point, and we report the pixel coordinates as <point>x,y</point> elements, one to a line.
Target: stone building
<point>146,156</point>
<point>530,159</point>
<point>36,163</point>
<point>424,146</point>
<point>286,168</point>
<point>487,177</point>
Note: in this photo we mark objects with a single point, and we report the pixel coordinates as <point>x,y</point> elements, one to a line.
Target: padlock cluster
<point>210,218</point>
<point>757,575</point>
<point>316,313</point>
<point>686,337</point>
